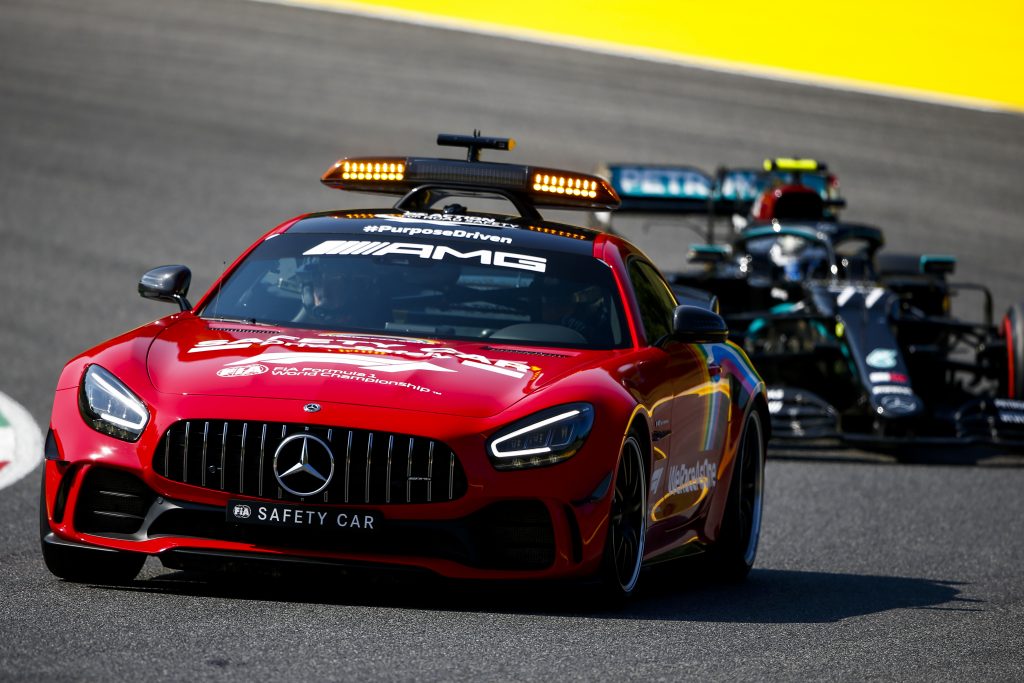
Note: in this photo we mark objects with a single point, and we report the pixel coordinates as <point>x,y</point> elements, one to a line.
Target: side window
<point>657,304</point>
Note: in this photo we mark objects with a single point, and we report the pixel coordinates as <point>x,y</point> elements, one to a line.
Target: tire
<point>898,264</point>
<point>84,565</point>
<point>627,524</point>
<point>1012,331</point>
<point>732,557</point>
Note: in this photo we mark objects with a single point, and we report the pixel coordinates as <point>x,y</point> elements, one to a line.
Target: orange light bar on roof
<point>588,188</point>
<point>373,170</point>
<point>558,184</point>
<point>539,186</point>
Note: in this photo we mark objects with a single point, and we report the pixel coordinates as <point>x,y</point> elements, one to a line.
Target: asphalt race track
<point>135,133</point>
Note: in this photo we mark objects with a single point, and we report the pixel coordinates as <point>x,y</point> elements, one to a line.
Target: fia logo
<point>243,371</point>
<point>242,511</point>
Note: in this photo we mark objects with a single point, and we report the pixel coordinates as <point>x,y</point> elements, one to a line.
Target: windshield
<point>438,288</point>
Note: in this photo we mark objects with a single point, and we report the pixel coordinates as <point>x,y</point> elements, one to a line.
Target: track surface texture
<point>137,132</point>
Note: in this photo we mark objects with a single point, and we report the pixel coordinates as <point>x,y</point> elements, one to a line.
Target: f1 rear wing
<point>679,189</point>
<point>661,189</point>
<point>684,189</point>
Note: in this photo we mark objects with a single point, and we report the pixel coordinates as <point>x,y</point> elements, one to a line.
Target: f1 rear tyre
<point>1013,332</point>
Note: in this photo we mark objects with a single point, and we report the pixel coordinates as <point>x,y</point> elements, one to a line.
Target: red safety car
<point>477,395</point>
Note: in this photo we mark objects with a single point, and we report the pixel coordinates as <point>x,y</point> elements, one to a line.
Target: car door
<point>679,374</point>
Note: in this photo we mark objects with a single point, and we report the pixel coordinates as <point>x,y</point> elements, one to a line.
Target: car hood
<point>463,378</point>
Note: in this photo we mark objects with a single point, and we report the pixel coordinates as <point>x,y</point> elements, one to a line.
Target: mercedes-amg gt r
<point>476,395</point>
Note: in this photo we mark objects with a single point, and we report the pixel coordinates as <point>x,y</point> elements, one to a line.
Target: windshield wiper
<point>244,321</point>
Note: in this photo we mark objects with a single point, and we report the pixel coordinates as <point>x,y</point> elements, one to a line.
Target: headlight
<point>108,406</point>
<point>544,438</point>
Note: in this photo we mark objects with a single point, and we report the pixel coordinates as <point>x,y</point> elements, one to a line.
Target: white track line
<point>648,54</point>
<point>23,438</point>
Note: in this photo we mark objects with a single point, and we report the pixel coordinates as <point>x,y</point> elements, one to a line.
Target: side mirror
<point>167,283</point>
<point>696,325</point>
<point>933,264</point>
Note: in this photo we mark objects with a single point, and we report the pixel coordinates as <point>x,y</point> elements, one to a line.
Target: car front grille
<point>376,468</point>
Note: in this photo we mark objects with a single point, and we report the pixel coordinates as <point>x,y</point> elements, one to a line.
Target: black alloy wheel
<point>734,554</point>
<point>751,500</point>
<point>84,565</point>
<point>627,522</point>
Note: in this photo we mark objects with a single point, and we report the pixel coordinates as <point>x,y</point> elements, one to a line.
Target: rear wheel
<point>1013,332</point>
<point>733,555</point>
<point>627,523</point>
<point>84,565</point>
<point>898,264</point>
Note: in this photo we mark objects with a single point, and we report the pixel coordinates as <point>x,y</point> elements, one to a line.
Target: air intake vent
<point>240,330</point>
<point>112,501</point>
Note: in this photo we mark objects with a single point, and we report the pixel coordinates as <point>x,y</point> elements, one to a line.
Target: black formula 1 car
<point>853,343</point>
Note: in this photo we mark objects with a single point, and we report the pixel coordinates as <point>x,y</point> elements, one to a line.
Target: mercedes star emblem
<point>311,407</point>
<point>303,465</point>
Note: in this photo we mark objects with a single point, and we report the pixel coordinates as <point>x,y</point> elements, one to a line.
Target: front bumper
<point>542,523</point>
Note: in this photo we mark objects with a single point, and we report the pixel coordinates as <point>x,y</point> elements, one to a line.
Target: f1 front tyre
<point>1013,332</point>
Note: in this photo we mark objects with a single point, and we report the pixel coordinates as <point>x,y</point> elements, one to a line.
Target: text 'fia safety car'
<point>471,394</point>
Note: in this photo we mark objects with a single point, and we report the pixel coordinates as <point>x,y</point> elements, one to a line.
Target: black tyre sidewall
<point>898,264</point>
<point>611,585</point>
<point>82,565</point>
<point>1013,332</point>
<point>729,554</point>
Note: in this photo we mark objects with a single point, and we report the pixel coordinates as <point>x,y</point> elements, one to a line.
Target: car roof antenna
<point>474,143</point>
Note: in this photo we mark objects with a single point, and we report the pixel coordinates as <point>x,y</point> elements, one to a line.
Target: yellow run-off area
<point>962,53</point>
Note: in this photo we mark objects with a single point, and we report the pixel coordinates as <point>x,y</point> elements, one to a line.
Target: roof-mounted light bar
<point>794,164</point>
<point>374,170</point>
<point>535,186</point>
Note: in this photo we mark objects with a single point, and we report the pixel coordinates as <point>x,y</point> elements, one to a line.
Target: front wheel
<point>84,565</point>
<point>1013,333</point>
<point>627,523</point>
<point>733,555</point>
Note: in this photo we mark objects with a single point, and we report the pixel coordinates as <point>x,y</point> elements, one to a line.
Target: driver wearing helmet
<point>785,254</point>
<point>797,258</point>
<point>338,292</point>
<point>581,310</point>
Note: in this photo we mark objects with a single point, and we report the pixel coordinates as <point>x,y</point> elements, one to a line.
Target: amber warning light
<point>541,187</point>
<point>555,182</point>
<point>372,170</point>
